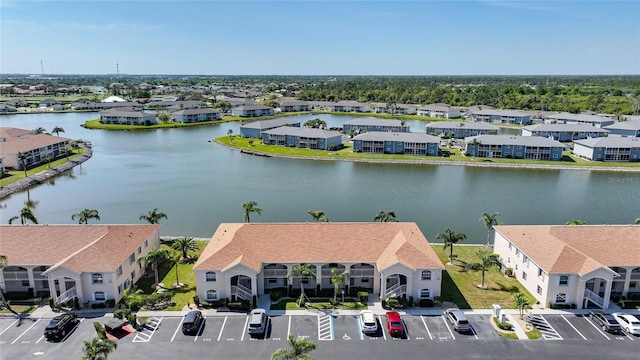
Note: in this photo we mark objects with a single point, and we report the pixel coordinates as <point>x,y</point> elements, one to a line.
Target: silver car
<point>458,320</point>
<point>368,322</point>
<point>258,322</point>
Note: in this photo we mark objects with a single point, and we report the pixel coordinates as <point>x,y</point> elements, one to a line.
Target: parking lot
<point>229,331</point>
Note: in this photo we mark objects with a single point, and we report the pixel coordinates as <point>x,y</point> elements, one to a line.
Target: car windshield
<point>396,323</point>
<point>635,323</point>
<point>463,322</point>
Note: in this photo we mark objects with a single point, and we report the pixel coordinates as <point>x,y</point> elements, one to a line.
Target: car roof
<point>192,314</point>
<point>393,315</point>
<point>258,311</point>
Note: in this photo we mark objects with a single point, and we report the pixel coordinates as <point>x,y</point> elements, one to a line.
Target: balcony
<point>15,275</point>
<point>275,273</point>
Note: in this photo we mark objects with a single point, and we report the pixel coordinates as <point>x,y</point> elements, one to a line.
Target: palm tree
<point>67,151</point>
<point>153,216</point>
<point>173,258</point>
<point>637,221</point>
<point>301,271</point>
<point>57,130</point>
<point>575,222</point>
<point>249,207</point>
<point>449,237</point>
<point>487,258</point>
<point>230,133</point>
<point>318,215</point>
<point>338,278</point>
<point>98,348</point>
<point>299,350</point>
<point>184,245</point>
<point>489,221</point>
<point>154,257</point>
<point>23,156</point>
<point>85,215</point>
<point>25,215</point>
<point>520,302</point>
<point>39,130</point>
<point>132,299</point>
<point>4,261</point>
<point>385,216</point>
<point>49,160</point>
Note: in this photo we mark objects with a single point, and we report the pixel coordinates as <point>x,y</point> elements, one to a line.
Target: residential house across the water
<point>116,116</point>
<point>514,147</point>
<point>567,118</point>
<point>396,143</point>
<point>460,130</point>
<point>304,137</point>
<point>196,115</point>
<point>369,124</point>
<point>254,129</point>
<point>252,111</point>
<point>626,128</point>
<point>612,148</point>
<point>439,110</point>
<point>501,116</point>
<point>295,106</point>
<point>564,132</point>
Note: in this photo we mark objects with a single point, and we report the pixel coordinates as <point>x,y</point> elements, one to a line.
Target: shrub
<point>363,297</point>
<point>133,320</point>
<point>100,305</point>
<point>110,303</point>
<point>239,305</point>
<point>196,300</point>
<point>214,303</point>
<point>393,303</point>
<point>425,303</point>
<point>410,301</point>
<point>122,313</point>
<point>274,295</point>
<point>501,325</point>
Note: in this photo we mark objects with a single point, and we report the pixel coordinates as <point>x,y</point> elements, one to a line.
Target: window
<point>119,271</point>
<point>560,298</point>
<point>524,275</point>
<point>539,290</point>
<point>97,278</point>
<point>45,284</point>
<point>541,274</point>
<point>146,243</point>
<point>25,282</point>
<point>425,293</point>
<point>133,274</point>
<point>273,281</point>
<point>364,280</point>
<point>304,280</point>
<point>525,260</point>
<point>120,289</point>
<point>564,280</point>
<point>212,295</point>
<point>426,275</point>
<point>210,276</point>
<point>510,246</point>
<point>99,296</point>
<point>517,252</point>
<point>132,258</point>
<point>139,250</point>
<point>126,284</point>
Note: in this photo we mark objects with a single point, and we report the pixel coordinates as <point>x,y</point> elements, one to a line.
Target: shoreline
<point>434,162</point>
<point>39,178</point>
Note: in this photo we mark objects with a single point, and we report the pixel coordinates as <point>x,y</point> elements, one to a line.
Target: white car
<point>368,322</point>
<point>629,323</point>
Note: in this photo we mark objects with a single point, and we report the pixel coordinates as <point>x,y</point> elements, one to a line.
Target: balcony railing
<point>16,275</point>
<point>357,273</point>
<point>274,273</point>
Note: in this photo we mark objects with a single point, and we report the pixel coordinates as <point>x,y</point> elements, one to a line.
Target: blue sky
<point>212,37</point>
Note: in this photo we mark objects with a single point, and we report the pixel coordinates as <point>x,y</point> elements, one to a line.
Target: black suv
<point>60,326</point>
<point>606,321</point>
<point>192,322</point>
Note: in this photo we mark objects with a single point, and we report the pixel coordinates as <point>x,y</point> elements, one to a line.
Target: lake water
<point>199,185</point>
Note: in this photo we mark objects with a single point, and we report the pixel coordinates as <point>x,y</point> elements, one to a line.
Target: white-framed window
<point>425,275</point>
<point>126,284</point>
<point>539,290</point>
<point>541,274</point>
<point>146,243</point>
<point>132,258</point>
<point>563,280</point>
<point>524,275</point>
<point>517,252</point>
<point>273,280</point>
<point>510,246</point>
<point>212,295</point>
<point>561,298</point>
<point>304,280</point>
<point>99,296</point>
<point>139,250</point>
<point>525,260</point>
<point>210,276</point>
<point>97,278</point>
<point>120,289</point>
<point>119,271</point>
<point>425,293</point>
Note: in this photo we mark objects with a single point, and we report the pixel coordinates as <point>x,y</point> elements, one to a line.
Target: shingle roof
<point>395,136</point>
<point>461,125</point>
<point>131,114</point>
<point>501,112</point>
<point>565,128</point>
<point>373,122</point>
<point>514,140</point>
<point>577,117</point>
<point>611,142</point>
<point>625,125</point>
<point>11,132</point>
<point>576,249</point>
<point>29,142</point>
<point>264,124</point>
<point>253,107</point>
<point>196,111</point>
<point>255,244</point>
<point>303,131</point>
<point>76,247</point>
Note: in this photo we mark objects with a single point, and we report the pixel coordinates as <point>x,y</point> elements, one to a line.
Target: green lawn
<point>460,286</point>
<point>20,309</point>
<point>321,304</point>
<point>16,175</point>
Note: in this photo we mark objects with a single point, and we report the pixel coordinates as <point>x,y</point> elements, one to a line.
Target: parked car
<point>606,321</point>
<point>258,322</point>
<point>192,322</point>
<point>60,326</point>
<point>394,323</point>
<point>629,323</point>
<point>368,322</point>
<point>458,320</point>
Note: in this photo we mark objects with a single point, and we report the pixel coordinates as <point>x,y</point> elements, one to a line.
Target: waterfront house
<point>304,137</point>
<point>439,110</point>
<point>38,148</point>
<point>400,109</point>
<point>567,118</point>
<point>196,115</point>
<point>396,143</point>
<point>501,116</point>
<point>572,265</point>
<point>124,117</point>
<point>295,106</point>
<point>4,108</point>
<point>94,263</point>
<point>460,130</point>
<point>390,259</point>
<point>254,129</point>
<point>252,111</point>
<point>349,106</point>
<point>515,147</point>
<point>8,133</point>
<point>625,128</point>
<point>368,124</point>
<point>564,132</point>
<point>612,148</point>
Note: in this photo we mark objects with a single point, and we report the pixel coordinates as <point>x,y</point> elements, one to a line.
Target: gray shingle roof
<point>373,122</point>
<point>303,131</point>
<point>501,112</point>
<point>269,124</point>
<point>577,117</point>
<point>564,127</point>
<point>461,125</point>
<point>611,142</point>
<point>514,140</point>
<point>395,136</point>
<point>196,111</point>
<point>626,125</point>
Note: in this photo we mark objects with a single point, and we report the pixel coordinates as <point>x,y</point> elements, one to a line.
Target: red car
<point>394,324</point>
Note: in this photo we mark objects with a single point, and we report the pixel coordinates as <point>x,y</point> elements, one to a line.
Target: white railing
<point>241,292</point>
<point>396,290</point>
<point>69,294</point>
<point>354,273</point>
<point>274,273</point>
<point>15,275</point>
<point>327,272</point>
<point>588,294</point>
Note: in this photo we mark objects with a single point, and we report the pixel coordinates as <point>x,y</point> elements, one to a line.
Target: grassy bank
<point>16,175</point>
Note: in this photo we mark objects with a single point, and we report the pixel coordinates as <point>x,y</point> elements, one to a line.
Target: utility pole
<point>117,70</point>
<point>41,67</point>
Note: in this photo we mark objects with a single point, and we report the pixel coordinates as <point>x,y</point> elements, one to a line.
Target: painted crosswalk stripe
<point>325,327</point>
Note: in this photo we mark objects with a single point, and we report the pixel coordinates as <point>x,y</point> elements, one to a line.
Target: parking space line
<point>359,328</point>
<point>178,328</point>
<point>447,325</point>
<point>574,328</point>
<point>325,327</point>
<point>473,331</point>
<point>266,329</point>
<point>9,327</point>
<point>24,332</point>
<point>222,328</point>
<point>426,327</point>
<point>597,328</point>
<point>245,328</point>
<point>146,334</point>
<point>204,320</point>
<point>289,327</point>
<point>381,328</point>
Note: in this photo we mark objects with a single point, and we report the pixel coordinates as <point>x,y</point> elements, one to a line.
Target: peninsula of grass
<point>12,176</point>
<point>320,304</point>
<point>456,156</point>
<point>461,287</point>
